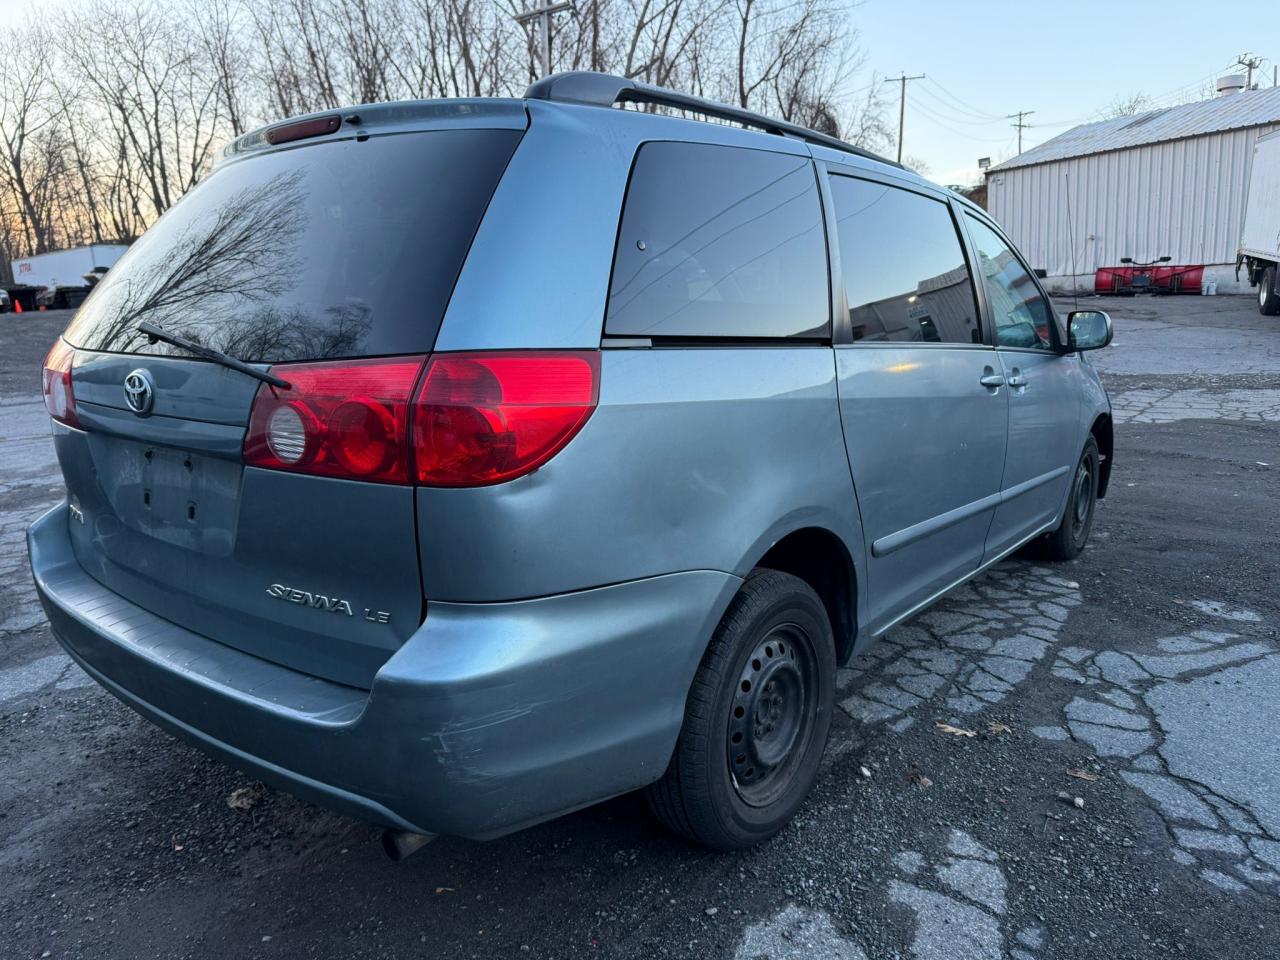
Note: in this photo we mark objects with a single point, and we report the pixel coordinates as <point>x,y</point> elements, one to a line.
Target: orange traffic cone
<point>17,306</point>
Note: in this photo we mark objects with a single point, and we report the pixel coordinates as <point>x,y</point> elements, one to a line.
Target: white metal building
<point>1169,182</point>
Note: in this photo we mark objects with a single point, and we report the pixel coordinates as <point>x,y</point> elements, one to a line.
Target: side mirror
<point>1088,330</point>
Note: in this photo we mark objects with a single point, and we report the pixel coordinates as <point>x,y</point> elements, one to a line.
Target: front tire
<point>756,720</point>
<point>1066,542</point>
<point>1269,293</point>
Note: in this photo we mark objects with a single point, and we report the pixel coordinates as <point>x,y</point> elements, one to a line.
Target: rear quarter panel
<point>696,459</point>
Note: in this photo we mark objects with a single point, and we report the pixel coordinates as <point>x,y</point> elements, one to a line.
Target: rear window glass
<point>339,249</point>
<point>720,242</point>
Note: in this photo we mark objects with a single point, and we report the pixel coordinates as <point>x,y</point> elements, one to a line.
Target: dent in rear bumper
<point>489,718</point>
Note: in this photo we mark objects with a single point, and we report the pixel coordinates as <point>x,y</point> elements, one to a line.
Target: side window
<point>1018,311</point>
<point>905,277</point>
<point>720,242</point>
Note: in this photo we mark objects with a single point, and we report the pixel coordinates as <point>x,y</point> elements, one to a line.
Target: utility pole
<point>544,14</point>
<point>1017,122</point>
<point>902,104</point>
<point>1250,64</point>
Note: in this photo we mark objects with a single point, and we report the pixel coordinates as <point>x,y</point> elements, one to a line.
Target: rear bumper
<point>489,718</point>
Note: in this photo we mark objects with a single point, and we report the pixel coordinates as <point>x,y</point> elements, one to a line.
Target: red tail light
<point>483,418</point>
<point>348,419</point>
<point>478,418</point>
<point>59,398</point>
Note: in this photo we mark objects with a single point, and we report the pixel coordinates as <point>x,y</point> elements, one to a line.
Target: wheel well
<point>1101,431</point>
<point>820,559</point>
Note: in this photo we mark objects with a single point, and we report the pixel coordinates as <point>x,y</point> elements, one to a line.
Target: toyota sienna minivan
<point>458,464</point>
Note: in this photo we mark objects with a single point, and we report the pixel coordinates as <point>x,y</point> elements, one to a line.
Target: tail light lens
<point>59,398</point>
<point>478,418</point>
<point>482,418</point>
<point>347,419</point>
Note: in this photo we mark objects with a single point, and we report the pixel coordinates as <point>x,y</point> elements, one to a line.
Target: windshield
<point>338,249</point>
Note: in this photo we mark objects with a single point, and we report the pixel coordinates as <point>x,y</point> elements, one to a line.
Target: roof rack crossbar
<point>605,90</point>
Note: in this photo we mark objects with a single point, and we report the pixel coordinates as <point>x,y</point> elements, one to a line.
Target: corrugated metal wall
<point>1183,198</point>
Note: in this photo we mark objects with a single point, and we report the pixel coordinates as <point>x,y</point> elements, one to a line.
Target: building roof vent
<point>1231,83</point>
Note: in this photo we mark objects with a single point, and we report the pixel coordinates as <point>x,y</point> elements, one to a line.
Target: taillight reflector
<point>348,419</point>
<point>59,398</point>
<point>483,418</point>
<point>477,418</point>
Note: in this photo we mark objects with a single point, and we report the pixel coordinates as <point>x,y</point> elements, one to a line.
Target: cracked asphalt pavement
<point>1068,761</point>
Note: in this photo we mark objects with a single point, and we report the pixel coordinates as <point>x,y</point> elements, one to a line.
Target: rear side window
<point>905,276</point>
<point>340,249</point>
<point>720,242</point>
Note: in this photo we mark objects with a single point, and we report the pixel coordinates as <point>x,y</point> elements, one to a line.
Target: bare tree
<point>788,56</point>
<point>220,34</point>
<point>1128,106</point>
<point>867,125</point>
<point>296,59</point>
<point>150,80</point>
<point>455,49</point>
<point>28,161</point>
<point>106,120</point>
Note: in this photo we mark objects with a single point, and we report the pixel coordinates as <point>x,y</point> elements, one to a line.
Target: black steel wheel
<point>1066,542</point>
<point>756,720</point>
<point>773,716</point>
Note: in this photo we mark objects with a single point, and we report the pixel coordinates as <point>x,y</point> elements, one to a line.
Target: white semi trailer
<point>65,276</point>
<point>1259,250</point>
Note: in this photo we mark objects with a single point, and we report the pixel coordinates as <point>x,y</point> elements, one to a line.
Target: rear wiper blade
<point>154,333</point>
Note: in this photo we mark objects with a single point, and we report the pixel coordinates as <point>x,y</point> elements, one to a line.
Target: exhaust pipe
<point>400,845</point>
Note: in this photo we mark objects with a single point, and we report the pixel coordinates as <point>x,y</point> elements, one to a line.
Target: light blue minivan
<point>457,464</point>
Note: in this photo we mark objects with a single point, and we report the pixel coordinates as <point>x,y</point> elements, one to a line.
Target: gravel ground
<point>1119,795</point>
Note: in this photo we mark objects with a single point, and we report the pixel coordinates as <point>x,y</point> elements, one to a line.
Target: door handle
<point>991,380</point>
<point>1016,379</point>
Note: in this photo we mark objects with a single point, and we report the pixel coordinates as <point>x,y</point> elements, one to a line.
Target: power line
<point>949,111</point>
<point>902,104</point>
<point>865,87</point>
<point>943,122</point>
<point>1157,102</point>
<point>953,109</point>
<point>1178,93</point>
<point>965,106</point>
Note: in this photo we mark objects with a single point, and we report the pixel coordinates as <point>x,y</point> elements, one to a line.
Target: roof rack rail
<point>605,90</point>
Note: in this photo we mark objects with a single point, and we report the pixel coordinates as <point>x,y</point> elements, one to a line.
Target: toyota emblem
<point>139,392</point>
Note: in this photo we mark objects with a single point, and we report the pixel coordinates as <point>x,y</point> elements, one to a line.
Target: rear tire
<point>756,720</point>
<point>1269,293</point>
<point>1066,542</point>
